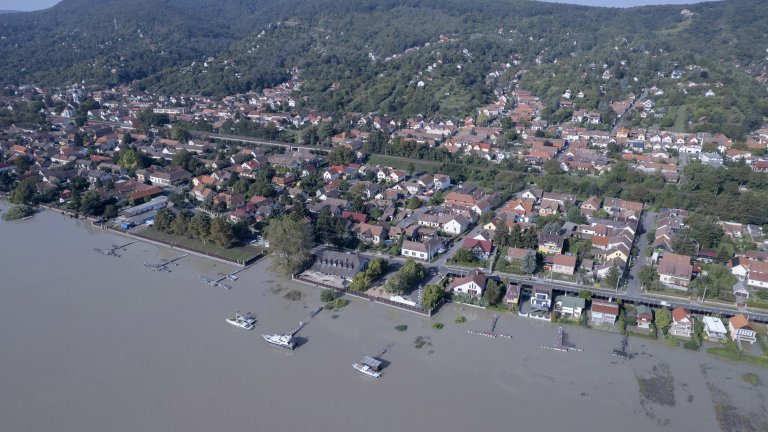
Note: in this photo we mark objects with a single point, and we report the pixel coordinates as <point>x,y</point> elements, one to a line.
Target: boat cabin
<point>371,363</point>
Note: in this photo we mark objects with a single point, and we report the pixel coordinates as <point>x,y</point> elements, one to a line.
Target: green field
<point>403,163</point>
<point>239,254</point>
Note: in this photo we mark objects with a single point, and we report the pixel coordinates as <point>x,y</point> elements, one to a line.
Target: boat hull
<point>366,371</point>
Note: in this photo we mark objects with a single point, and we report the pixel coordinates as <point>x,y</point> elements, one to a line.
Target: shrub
<point>18,212</point>
<point>437,326</point>
<point>401,327</point>
<point>692,345</point>
<point>460,319</point>
<point>336,304</point>
<point>327,295</point>
<point>293,295</point>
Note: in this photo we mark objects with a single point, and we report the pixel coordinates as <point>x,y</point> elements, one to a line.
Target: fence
<point>409,308</point>
<point>194,250</point>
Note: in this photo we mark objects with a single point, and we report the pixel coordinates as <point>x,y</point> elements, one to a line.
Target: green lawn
<point>428,166</point>
<point>242,253</point>
<point>738,356</point>
<point>681,121</point>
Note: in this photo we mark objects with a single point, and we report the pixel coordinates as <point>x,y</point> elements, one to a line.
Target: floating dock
<point>163,265</point>
<point>112,251</point>
<point>491,332</point>
<point>562,344</point>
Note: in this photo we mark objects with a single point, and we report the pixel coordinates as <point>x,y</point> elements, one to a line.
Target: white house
<point>714,328</point>
<point>442,182</point>
<point>757,279</point>
<point>682,323</point>
<point>472,284</point>
<point>570,307</point>
<point>456,225</point>
<point>422,251</point>
<point>741,330</point>
<point>604,312</point>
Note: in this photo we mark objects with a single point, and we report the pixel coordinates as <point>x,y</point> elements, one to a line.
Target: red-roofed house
<point>682,323</point>
<point>564,264</point>
<point>741,330</point>
<point>481,249</point>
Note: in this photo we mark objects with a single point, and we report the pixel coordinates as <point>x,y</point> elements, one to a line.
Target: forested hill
<point>371,54</point>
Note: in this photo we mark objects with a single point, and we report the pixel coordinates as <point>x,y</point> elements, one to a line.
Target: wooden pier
<point>562,343</point>
<point>112,251</point>
<point>218,281</point>
<point>491,332</point>
<point>301,324</point>
<point>163,265</point>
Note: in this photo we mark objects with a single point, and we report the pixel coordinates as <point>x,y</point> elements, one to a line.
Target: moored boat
<point>283,341</point>
<point>246,321</point>
<point>369,366</point>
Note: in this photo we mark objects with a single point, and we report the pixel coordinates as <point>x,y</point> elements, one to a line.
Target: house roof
<point>338,263</point>
<point>713,324</point>
<point>740,322</point>
<point>476,276</point>
<point>679,314</point>
<point>484,245</point>
<point>605,307</point>
<point>516,253</point>
<point>675,265</point>
<point>564,260</point>
<point>571,301</point>
<point>551,238</point>
<point>644,310</point>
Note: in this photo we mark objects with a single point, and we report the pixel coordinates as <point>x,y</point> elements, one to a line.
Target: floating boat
<point>368,366</point>
<point>283,341</point>
<point>246,321</point>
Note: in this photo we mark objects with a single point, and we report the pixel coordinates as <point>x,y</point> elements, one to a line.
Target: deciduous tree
<point>289,244</point>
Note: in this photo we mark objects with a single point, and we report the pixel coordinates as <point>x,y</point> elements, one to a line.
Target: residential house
<point>741,330</point>
<point>472,284</point>
<point>541,298</point>
<point>682,323</point>
<point>714,328</point>
<point>340,264</point>
<point>232,201</point>
<point>757,279</point>
<point>163,177</point>
<point>675,270</point>
<point>455,225</point>
<point>481,249</point>
<point>512,295</point>
<point>564,264</point>
<point>424,251</point>
<point>202,193</point>
<point>551,243</point>
<point>590,206</point>
<point>604,312</point>
<point>644,316</point>
<point>371,233</point>
<point>516,254</point>
<point>570,307</point>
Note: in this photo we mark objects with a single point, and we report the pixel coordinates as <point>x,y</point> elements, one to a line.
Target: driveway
<point>648,222</point>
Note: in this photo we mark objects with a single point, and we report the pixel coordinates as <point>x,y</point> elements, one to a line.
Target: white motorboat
<point>246,321</point>
<point>283,341</point>
<point>368,366</point>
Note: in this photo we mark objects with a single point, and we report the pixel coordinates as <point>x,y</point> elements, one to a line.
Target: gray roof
<point>337,263</point>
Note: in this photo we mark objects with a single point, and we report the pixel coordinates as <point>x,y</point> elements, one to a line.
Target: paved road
<point>634,286</point>
<point>437,271</point>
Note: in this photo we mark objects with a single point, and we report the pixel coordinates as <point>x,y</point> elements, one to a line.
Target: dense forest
<point>406,56</point>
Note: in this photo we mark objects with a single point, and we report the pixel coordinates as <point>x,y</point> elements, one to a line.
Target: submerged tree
<point>289,244</point>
